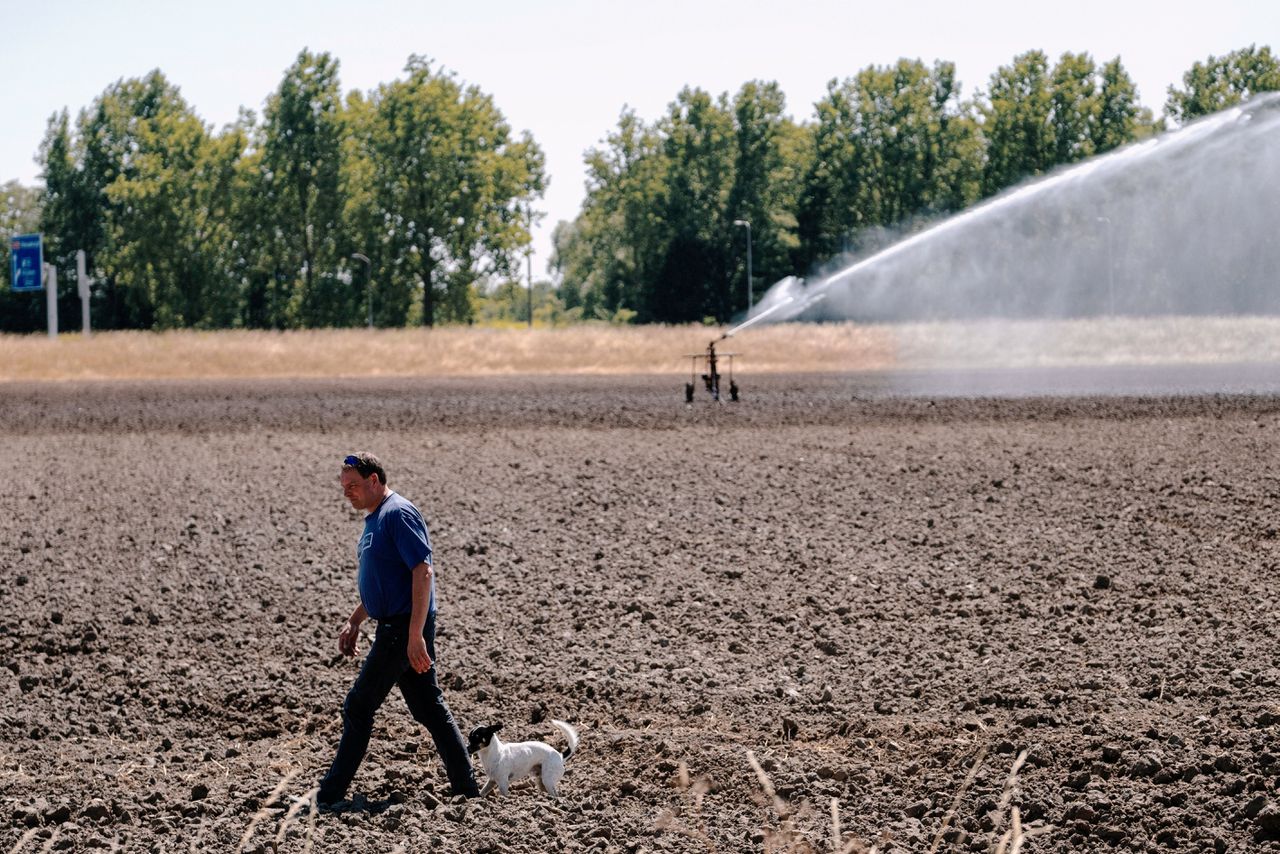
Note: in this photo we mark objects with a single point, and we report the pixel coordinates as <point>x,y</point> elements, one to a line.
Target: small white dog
<point>504,763</point>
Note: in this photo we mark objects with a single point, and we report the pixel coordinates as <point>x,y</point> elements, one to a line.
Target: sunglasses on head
<point>351,460</point>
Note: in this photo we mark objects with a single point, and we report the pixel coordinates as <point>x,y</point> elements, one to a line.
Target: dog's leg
<point>504,784</point>
<point>550,779</point>
<point>488,787</point>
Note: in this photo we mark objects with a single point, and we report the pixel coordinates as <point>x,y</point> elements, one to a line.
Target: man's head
<point>364,481</point>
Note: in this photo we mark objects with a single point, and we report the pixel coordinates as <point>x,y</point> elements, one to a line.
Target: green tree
<point>66,221</point>
<point>363,229</point>
<point>891,144</point>
<point>830,205</point>
<point>1121,119</point>
<point>768,160</point>
<point>1076,108</point>
<point>453,186</point>
<point>150,202</point>
<point>256,257</point>
<point>301,166</point>
<point>1017,122</point>
<point>1223,81</point>
<point>698,145</point>
<point>609,254</point>
<point>19,214</point>
<point>169,211</point>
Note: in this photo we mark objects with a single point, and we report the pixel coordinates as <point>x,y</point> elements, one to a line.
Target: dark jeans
<point>388,664</point>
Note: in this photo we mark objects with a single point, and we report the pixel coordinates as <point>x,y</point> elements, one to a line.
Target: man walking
<point>396,589</point>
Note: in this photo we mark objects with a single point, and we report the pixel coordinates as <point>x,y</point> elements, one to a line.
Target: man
<point>396,590</point>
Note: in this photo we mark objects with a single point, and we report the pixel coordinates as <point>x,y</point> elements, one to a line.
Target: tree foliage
<point>452,186</point>
<point>19,214</point>
<point>299,177</point>
<point>1223,81</point>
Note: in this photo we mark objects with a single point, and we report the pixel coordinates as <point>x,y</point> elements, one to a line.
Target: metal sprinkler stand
<point>711,376</point>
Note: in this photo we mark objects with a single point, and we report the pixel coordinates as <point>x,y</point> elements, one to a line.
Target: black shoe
<point>331,804</point>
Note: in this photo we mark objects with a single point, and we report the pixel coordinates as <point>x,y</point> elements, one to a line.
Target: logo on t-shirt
<point>365,542</point>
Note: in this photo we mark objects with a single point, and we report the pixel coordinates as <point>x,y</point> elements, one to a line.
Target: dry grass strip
<point>441,352</point>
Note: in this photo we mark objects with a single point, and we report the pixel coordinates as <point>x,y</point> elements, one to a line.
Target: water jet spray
<point>1179,224</point>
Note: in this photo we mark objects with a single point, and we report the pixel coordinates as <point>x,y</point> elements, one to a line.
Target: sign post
<point>82,283</point>
<point>26,262</point>
<point>27,272</point>
<point>51,298</point>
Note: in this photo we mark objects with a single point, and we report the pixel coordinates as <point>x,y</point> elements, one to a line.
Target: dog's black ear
<point>496,727</point>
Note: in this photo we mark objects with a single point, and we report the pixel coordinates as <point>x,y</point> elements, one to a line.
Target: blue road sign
<point>26,262</point>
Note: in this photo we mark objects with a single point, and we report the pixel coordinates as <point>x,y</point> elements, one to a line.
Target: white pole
<point>51,298</point>
<point>82,283</point>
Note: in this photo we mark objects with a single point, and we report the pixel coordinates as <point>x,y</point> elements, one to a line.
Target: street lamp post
<point>750,294</point>
<point>368,282</point>
<point>1111,269</point>
<point>528,258</point>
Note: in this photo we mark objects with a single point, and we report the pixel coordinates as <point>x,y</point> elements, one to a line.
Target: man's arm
<point>418,656</point>
<point>351,631</point>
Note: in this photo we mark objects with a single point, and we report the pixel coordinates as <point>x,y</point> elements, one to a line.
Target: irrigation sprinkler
<point>711,359</point>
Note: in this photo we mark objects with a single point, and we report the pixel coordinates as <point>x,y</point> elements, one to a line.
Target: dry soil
<point>935,621</point>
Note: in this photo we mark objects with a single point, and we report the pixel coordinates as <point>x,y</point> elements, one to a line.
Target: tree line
<point>421,188</point>
<point>268,223</point>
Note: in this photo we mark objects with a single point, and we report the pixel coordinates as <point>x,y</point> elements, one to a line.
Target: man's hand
<point>347,638</point>
<point>418,656</point>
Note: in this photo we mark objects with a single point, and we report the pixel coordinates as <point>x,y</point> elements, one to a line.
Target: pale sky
<point>564,69</point>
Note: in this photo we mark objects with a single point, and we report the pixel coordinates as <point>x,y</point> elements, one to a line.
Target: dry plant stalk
<point>1012,780</point>
<point>307,800</point>
<point>1012,837</point>
<point>1015,835</point>
<point>199,835</point>
<point>786,838</point>
<point>780,806</point>
<point>699,789</point>
<point>265,811</point>
<point>48,845</point>
<point>25,838</point>
<point>955,804</point>
<point>853,846</point>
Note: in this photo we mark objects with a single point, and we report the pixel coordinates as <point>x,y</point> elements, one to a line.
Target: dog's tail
<point>570,735</point>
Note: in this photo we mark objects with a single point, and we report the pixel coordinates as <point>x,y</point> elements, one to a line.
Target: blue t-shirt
<point>395,540</point>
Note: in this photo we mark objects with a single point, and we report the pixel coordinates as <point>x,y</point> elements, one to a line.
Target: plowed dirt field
<point>927,622</point>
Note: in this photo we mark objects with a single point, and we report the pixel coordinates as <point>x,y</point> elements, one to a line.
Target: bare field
<point>814,621</point>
